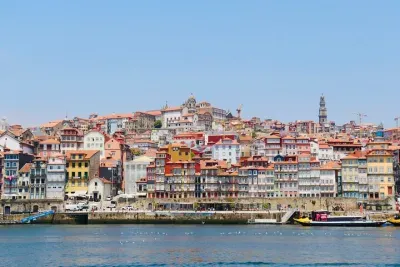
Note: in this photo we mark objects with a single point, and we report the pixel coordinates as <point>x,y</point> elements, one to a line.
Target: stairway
<point>288,215</point>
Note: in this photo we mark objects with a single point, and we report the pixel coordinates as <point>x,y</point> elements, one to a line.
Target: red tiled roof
<point>26,168</point>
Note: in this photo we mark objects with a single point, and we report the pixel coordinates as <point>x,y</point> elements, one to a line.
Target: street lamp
<point>112,181</point>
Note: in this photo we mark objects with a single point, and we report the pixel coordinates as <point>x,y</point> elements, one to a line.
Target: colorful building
<point>24,181</point>
<point>13,162</point>
<point>380,174</point>
<point>286,176</point>
<point>82,165</point>
<point>71,139</point>
<point>38,179</point>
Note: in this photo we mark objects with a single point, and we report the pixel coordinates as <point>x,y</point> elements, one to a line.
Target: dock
<point>8,222</point>
<point>263,221</point>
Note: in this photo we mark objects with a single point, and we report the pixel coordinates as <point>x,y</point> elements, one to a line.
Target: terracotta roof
<point>17,132</point>
<point>257,158</point>
<point>26,168</point>
<point>116,116</point>
<point>50,124</point>
<point>49,142</point>
<point>108,162</point>
<point>288,138</point>
<point>88,153</point>
<point>231,142</point>
<point>350,156</point>
<point>154,112</point>
<point>13,152</point>
<point>324,146</point>
<point>150,153</point>
<point>271,167</point>
<point>172,109</point>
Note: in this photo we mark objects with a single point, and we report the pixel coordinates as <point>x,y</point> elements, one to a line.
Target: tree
<point>136,152</point>
<point>157,124</point>
<point>254,134</point>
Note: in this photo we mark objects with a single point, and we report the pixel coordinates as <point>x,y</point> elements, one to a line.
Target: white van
<point>113,204</point>
<point>72,207</point>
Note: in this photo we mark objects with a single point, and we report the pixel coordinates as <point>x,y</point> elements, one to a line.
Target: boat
<point>262,221</point>
<point>324,219</point>
<point>395,220</point>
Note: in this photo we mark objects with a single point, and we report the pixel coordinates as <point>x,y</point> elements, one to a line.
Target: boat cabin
<point>320,215</point>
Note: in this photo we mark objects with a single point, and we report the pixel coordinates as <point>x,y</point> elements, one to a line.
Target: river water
<point>197,245</point>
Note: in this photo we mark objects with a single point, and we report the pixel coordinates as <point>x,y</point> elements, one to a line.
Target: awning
<point>78,194</point>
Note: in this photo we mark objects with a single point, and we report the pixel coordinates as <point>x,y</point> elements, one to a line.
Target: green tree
<point>157,124</point>
<point>253,134</point>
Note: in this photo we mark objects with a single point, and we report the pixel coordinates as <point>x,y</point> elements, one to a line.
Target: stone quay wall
<point>303,204</point>
<point>31,205</point>
<point>179,218</point>
<point>58,218</point>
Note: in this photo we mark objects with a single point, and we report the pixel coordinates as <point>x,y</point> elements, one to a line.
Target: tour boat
<point>323,219</point>
<point>395,220</point>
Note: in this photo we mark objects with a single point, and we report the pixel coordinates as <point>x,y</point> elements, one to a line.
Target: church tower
<point>323,112</point>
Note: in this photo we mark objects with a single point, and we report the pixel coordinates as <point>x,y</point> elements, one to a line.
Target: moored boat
<point>395,220</point>
<point>322,218</point>
<point>356,223</point>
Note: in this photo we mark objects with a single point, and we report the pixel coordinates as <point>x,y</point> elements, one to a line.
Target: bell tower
<point>323,112</point>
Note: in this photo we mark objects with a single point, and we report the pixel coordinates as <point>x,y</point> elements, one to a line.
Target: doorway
<point>7,210</point>
<point>35,208</point>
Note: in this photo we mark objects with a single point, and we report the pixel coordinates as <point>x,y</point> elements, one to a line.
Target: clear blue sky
<point>274,57</point>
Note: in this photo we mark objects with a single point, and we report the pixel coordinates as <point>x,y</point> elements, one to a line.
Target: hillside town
<point>198,151</point>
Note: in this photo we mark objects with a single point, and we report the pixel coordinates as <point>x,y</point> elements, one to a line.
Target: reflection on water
<point>145,245</point>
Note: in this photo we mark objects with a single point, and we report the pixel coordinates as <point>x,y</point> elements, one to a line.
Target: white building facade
<point>99,189</point>
<point>325,153</point>
<point>94,141</point>
<point>226,149</point>
<point>328,180</point>
<point>56,172</point>
<point>134,171</point>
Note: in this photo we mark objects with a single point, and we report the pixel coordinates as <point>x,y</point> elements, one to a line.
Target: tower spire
<point>323,112</point>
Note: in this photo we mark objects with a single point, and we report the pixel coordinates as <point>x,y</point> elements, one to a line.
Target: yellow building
<point>178,152</point>
<point>380,174</point>
<point>82,165</point>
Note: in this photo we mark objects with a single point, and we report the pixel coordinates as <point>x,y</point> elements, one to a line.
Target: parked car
<point>112,204</point>
<point>108,198</point>
<point>127,208</point>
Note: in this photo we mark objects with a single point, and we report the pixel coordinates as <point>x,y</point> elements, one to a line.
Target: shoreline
<point>171,217</point>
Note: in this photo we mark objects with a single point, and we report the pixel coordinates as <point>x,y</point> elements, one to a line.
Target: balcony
<point>38,176</point>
